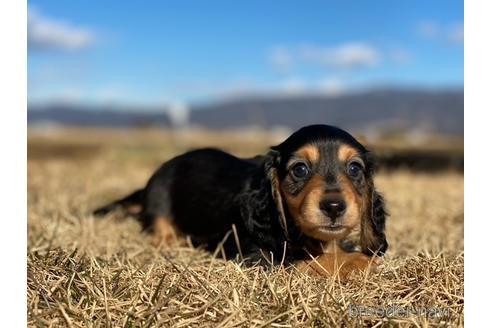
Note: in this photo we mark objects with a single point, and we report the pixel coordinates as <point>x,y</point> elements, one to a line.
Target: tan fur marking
<point>304,207</point>
<point>312,194</point>
<point>165,233</point>
<point>337,262</point>
<point>346,152</point>
<point>353,200</point>
<point>309,152</point>
<point>134,209</point>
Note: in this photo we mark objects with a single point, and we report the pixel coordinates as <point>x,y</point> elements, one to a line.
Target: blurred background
<point>156,78</point>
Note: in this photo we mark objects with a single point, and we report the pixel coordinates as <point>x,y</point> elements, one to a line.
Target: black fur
<point>204,192</point>
<point>135,198</point>
<point>378,223</point>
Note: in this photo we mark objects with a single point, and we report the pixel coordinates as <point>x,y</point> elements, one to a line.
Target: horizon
<point>150,107</point>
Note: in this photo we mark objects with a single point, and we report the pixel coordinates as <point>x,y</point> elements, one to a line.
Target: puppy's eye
<point>300,170</point>
<point>354,169</point>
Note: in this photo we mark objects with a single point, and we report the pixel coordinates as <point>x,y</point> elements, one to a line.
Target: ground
<point>88,272</point>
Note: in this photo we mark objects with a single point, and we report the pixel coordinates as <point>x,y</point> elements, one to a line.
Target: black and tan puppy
<point>311,197</point>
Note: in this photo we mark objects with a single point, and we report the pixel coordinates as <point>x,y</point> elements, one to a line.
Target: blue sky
<point>191,51</point>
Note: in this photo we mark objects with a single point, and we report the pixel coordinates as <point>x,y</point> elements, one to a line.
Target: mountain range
<point>436,111</point>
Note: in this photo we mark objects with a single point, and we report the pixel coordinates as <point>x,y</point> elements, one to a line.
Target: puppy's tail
<point>131,204</point>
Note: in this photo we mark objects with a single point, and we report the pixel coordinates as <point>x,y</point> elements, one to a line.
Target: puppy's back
<point>197,191</point>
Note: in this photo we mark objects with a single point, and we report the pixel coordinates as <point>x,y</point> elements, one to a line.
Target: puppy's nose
<point>333,208</point>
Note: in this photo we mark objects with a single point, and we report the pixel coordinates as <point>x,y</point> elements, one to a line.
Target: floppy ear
<point>373,238</point>
<point>271,164</point>
<point>261,205</point>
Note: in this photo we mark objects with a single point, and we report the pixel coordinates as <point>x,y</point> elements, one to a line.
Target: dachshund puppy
<point>309,201</point>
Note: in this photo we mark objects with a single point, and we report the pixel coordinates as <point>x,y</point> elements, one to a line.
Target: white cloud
<point>286,87</point>
<point>345,56</point>
<point>61,94</point>
<point>97,94</point>
<point>428,29</point>
<point>399,56</point>
<point>48,34</point>
<point>456,34</point>
<point>281,58</point>
<point>113,94</point>
<point>450,34</point>
<point>331,86</point>
<point>293,85</point>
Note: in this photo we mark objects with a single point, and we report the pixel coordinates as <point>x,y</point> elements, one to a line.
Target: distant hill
<point>436,111</point>
<point>80,115</point>
<point>439,110</point>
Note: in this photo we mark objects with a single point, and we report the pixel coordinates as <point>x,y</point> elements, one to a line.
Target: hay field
<point>84,272</point>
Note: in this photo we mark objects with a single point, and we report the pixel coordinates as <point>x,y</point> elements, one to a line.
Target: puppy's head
<point>323,176</point>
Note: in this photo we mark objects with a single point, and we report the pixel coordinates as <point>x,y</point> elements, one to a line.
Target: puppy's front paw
<point>361,262</point>
<point>341,264</point>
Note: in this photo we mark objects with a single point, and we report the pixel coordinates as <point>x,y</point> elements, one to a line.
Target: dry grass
<point>88,272</point>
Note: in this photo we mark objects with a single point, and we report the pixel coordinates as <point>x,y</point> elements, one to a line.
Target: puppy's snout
<point>333,207</point>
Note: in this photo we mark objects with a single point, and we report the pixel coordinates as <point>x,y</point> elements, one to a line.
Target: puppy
<point>309,201</point>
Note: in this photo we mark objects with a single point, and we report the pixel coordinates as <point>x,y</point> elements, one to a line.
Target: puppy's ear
<point>373,238</point>
<point>272,162</point>
<point>272,158</point>
<point>261,205</point>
